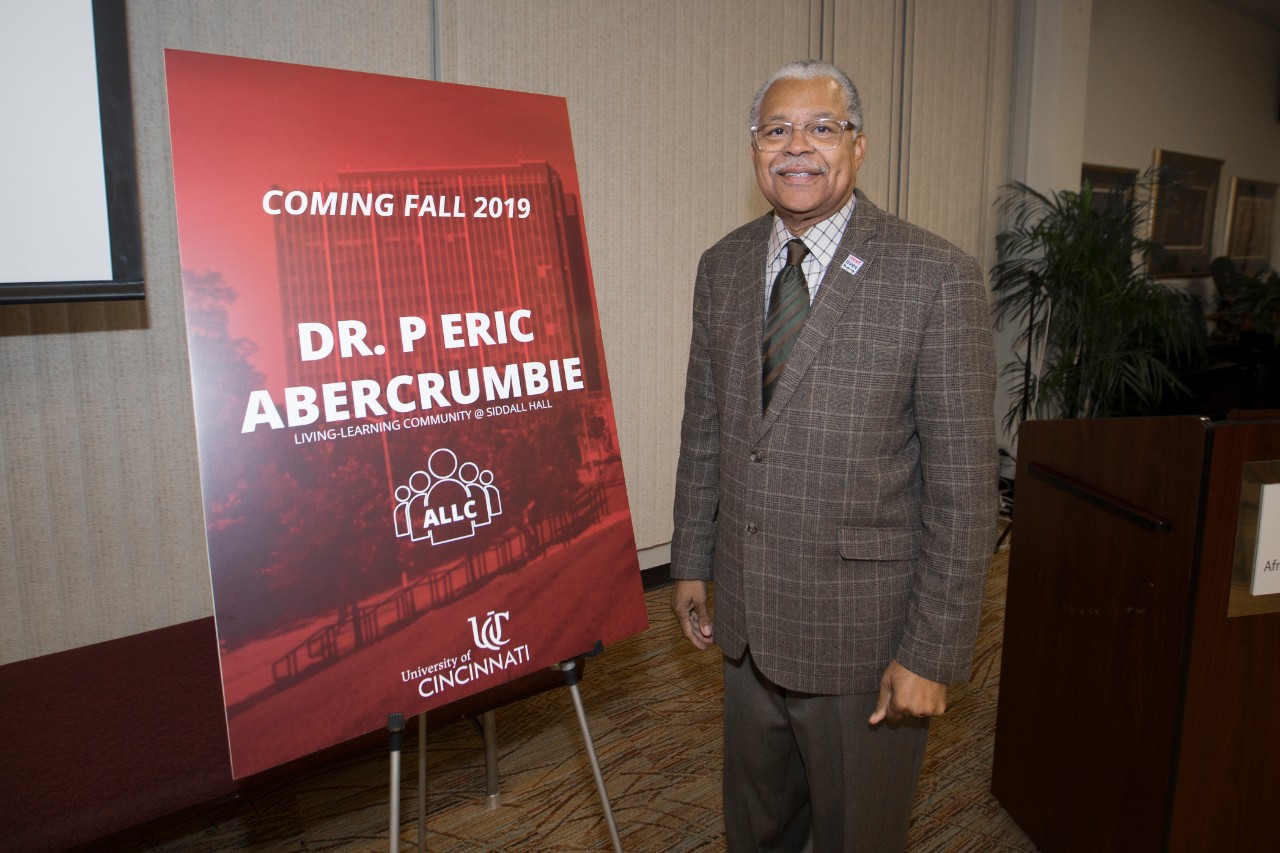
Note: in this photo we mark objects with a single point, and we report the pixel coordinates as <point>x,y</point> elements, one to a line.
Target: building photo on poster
<point>408,456</point>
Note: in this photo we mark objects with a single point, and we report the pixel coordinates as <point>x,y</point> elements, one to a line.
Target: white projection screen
<point>70,211</point>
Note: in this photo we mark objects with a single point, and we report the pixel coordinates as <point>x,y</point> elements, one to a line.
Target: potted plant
<point>1246,303</point>
<point>1098,334</point>
<point>1246,330</point>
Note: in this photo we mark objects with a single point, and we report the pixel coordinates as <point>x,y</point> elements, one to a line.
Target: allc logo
<point>446,502</point>
<point>489,635</point>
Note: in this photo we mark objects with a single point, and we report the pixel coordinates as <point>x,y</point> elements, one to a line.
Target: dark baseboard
<point>658,576</point>
<point>113,735</point>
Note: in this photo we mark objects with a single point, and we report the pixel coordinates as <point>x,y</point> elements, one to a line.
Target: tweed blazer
<point>852,523</point>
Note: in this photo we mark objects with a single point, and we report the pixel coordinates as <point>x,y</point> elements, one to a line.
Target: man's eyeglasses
<point>823,133</point>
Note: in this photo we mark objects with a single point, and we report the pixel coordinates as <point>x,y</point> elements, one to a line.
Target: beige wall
<point>1188,76</point>
<point>100,520</point>
<point>101,528</point>
<point>651,207</point>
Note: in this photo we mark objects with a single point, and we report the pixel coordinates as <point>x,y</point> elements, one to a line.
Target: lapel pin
<point>852,264</point>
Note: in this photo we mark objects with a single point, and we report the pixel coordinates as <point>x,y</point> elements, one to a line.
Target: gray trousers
<point>804,772</point>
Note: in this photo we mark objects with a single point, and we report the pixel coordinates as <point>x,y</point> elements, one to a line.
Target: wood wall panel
<point>653,200</point>
<point>867,42</point>
<point>935,78</point>
<point>957,151</point>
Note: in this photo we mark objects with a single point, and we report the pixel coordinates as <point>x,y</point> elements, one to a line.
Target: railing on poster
<point>362,624</point>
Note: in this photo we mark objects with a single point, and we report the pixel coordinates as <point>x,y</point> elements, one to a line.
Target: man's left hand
<point>905,694</point>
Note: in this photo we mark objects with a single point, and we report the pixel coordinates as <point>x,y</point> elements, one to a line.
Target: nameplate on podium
<point>1255,584</point>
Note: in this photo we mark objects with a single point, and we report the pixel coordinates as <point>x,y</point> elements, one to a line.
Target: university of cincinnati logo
<point>446,502</point>
<point>494,653</point>
<point>488,635</point>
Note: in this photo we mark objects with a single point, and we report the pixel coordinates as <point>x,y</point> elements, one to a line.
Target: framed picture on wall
<point>1250,221</point>
<point>1112,185</point>
<point>1182,213</point>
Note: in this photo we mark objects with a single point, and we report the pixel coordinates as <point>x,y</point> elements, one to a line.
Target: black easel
<point>395,735</point>
<point>570,670</point>
<point>395,739</point>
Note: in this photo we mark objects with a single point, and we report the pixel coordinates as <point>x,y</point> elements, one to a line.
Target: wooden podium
<point>1135,714</point>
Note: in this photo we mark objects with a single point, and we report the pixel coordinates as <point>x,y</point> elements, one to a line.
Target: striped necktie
<point>788,307</point>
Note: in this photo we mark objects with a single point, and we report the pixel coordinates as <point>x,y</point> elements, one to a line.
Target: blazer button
<point>756,456</point>
<point>752,528</point>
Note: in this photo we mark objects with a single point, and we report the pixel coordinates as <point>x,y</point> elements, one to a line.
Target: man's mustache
<point>799,164</point>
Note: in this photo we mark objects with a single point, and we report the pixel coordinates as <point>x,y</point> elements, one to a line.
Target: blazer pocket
<point>879,543</point>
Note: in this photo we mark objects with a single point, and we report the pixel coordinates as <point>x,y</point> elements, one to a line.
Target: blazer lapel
<point>838,288</point>
<point>750,311</point>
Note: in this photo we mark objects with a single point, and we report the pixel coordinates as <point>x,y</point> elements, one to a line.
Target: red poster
<point>410,468</point>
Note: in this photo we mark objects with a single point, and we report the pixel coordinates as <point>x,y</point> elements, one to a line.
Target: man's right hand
<point>689,601</point>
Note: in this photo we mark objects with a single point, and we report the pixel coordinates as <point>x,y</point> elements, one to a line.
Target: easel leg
<point>493,798</point>
<point>422,783</point>
<point>570,670</point>
<point>395,738</point>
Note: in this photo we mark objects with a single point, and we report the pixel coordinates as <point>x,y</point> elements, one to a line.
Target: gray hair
<point>807,69</point>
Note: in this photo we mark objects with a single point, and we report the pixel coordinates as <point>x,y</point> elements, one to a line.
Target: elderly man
<point>837,482</point>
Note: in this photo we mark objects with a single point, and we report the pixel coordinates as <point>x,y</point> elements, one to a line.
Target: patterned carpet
<point>653,704</point>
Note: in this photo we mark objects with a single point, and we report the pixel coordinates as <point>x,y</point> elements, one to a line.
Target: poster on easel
<point>409,462</point>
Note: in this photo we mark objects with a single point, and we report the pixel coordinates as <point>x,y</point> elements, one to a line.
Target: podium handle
<point>1100,499</point>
